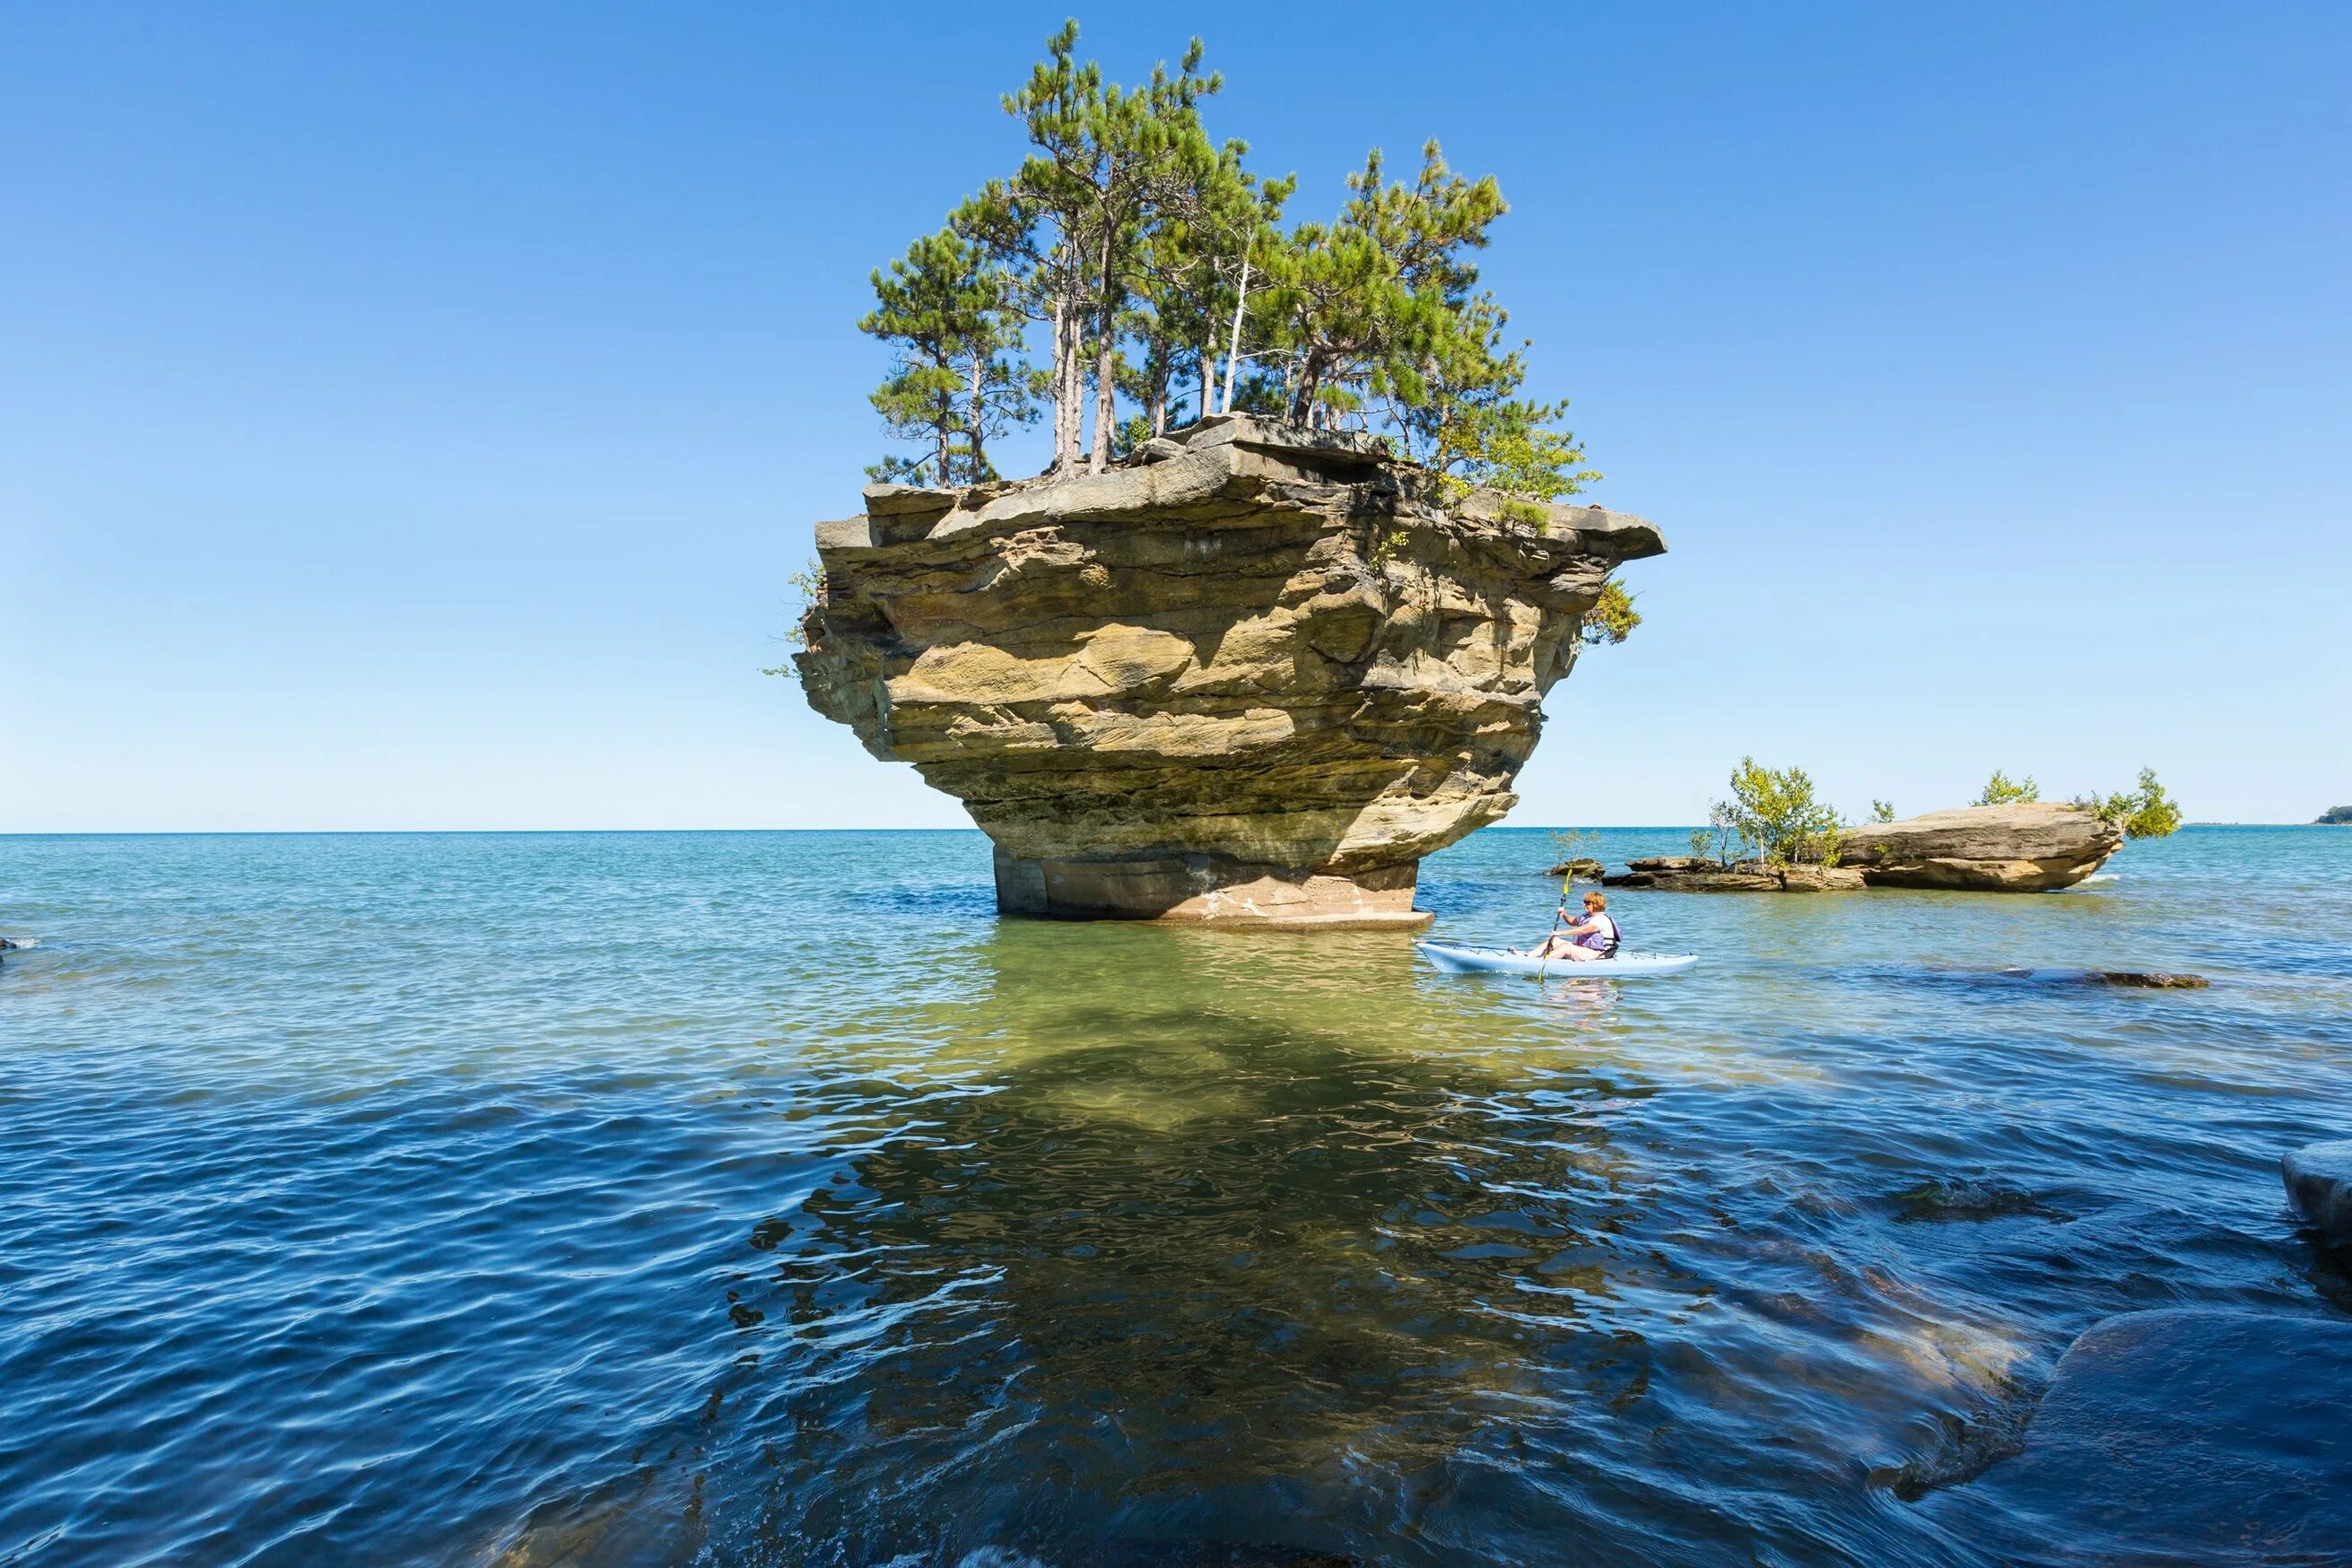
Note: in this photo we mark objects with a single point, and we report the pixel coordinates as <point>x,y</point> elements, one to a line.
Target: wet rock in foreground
<point>2185,1436</point>
<point>1970,1200</point>
<point>2319,1180</point>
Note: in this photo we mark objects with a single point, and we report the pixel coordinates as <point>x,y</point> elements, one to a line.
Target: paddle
<point>1556,915</point>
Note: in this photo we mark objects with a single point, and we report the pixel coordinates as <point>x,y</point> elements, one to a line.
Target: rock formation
<point>1695,874</point>
<point>1252,677</point>
<point>2031,846</point>
<point>2028,846</point>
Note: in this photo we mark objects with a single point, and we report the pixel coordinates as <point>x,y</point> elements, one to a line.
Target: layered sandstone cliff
<point>1251,678</point>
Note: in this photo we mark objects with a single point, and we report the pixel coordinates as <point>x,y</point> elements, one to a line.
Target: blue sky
<point>410,421</point>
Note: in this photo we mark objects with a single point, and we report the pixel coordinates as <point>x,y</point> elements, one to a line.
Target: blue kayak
<point>1624,966</point>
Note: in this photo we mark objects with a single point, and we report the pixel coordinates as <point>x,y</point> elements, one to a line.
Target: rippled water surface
<point>763,1198</point>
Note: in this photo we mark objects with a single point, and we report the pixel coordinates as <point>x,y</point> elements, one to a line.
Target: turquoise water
<point>763,1198</point>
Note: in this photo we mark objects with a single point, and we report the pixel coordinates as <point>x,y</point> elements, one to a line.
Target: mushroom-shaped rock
<point>1251,678</point>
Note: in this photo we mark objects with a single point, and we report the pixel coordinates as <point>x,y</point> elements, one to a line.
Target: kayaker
<point>1594,936</point>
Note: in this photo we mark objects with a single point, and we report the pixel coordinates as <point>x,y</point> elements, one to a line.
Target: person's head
<point>1595,902</point>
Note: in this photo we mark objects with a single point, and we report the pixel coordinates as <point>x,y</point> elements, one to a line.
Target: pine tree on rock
<point>1105,160</point>
<point>958,382</point>
<point>1149,259</point>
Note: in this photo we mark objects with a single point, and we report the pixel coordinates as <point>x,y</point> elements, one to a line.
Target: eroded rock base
<point>1210,890</point>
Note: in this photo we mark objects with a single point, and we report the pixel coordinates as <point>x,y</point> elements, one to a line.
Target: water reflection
<point>1164,1248</point>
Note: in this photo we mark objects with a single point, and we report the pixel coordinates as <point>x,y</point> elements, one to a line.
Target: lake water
<point>763,1198</point>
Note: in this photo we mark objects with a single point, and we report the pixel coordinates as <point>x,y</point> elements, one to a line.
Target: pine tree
<point>957,383</point>
<point>1152,259</point>
<point>1193,273</point>
<point>1107,160</point>
<point>1365,302</point>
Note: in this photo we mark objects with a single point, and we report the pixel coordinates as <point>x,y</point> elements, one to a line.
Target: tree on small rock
<point>1776,810</point>
<point>2145,812</point>
<point>2001,790</point>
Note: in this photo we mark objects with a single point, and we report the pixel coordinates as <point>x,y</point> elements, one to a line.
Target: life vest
<point>1604,945</point>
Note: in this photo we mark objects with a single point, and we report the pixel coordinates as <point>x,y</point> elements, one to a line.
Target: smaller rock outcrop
<point>2319,1180</point>
<point>2027,846</point>
<point>1592,871</point>
<point>2031,846</point>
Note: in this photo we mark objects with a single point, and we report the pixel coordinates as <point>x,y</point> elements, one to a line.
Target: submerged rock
<point>2319,1180</point>
<point>2028,846</point>
<point>1977,1200</point>
<point>2136,979</point>
<point>1253,677</point>
<point>2185,1436</point>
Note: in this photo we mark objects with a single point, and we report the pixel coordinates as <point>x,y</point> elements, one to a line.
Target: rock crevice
<point>1253,677</point>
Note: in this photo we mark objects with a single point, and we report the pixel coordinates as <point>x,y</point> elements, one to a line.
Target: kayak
<point>1624,966</point>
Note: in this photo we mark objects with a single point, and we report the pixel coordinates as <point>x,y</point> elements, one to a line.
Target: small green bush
<point>1612,618</point>
<point>1775,810</point>
<point>1999,790</point>
<point>2145,811</point>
